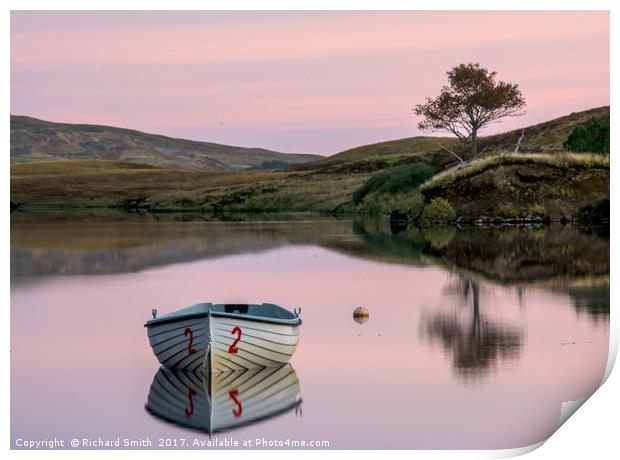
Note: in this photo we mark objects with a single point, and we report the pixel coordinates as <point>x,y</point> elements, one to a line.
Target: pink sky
<point>317,82</point>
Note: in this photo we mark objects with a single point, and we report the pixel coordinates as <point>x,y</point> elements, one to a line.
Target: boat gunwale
<point>165,319</point>
<point>296,321</point>
<point>257,319</point>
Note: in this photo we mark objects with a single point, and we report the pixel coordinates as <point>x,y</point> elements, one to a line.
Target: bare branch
<point>519,141</point>
<point>463,162</point>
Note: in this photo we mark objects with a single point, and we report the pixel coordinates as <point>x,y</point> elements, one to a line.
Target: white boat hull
<point>182,344</point>
<point>237,344</point>
<point>211,343</point>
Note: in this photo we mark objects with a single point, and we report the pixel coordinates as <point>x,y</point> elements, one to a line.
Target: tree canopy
<point>472,100</point>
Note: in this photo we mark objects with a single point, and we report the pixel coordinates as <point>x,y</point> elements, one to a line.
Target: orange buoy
<point>361,315</point>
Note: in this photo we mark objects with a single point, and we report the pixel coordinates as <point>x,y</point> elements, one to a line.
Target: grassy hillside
<point>381,178</point>
<point>404,200</point>
<point>554,186</point>
<point>384,154</point>
<point>39,140</point>
<point>543,137</point>
<point>564,160</point>
<point>100,183</point>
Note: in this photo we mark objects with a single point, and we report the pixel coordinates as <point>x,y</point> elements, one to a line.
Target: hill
<point>385,172</point>
<point>38,140</point>
<point>504,185</point>
<point>542,137</point>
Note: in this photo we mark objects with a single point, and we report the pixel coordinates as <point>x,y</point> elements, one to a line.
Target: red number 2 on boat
<point>190,348</point>
<point>233,347</point>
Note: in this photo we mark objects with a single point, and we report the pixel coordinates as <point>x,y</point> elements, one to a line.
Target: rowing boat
<point>210,337</point>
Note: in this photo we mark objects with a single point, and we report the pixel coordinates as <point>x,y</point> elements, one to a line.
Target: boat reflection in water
<point>223,401</point>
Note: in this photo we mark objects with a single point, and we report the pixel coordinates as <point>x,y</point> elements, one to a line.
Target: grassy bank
<point>557,160</point>
<point>508,185</point>
<point>102,184</point>
<point>526,186</point>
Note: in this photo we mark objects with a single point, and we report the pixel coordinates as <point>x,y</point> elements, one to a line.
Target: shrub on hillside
<point>592,136</point>
<point>438,210</point>
<point>398,179</point>
<point>374,183</point>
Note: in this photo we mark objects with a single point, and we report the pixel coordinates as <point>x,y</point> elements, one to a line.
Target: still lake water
<point>475,337</point>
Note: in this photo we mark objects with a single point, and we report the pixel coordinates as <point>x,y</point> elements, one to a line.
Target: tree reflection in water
<point>476,345</point>
<point>593,301</point>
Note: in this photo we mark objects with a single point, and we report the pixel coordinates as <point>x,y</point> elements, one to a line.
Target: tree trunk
<point>474,144</point>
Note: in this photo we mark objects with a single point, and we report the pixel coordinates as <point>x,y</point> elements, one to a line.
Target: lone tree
<point>471,101</point>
